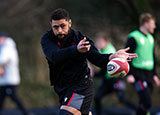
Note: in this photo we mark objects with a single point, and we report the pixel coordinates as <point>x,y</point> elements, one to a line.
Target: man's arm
<point>1,71</point>
<point>2,68</point>
<point>95,57</point>
<point>101,60</point>
<point>154,69</point>
<point>155,76</point>
<point>132,44</point>
<point>5,54</point>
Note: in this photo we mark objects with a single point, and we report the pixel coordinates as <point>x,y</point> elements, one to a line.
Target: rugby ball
<point>118,67</point>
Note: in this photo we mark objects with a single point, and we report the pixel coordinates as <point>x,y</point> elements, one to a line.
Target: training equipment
<point>118,67</point>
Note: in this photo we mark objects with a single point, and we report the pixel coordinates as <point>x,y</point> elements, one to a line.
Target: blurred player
<point>9,72</point>
<point>143,69</point>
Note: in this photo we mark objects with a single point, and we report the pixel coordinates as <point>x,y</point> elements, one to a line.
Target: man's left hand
<point>1,71</point>
<point>123,54</point>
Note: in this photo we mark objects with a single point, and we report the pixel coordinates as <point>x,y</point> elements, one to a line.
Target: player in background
<point>108,84</point>
<point>143,69</point>
<point>9,72</point>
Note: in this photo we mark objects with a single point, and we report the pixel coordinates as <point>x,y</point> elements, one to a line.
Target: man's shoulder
<point>133,32</point>
<point>10,42</point>
<point>77,33</point>
<point>48,34</point>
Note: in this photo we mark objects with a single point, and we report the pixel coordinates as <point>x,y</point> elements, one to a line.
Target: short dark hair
<point>59,13</point>
<point>145,17</point>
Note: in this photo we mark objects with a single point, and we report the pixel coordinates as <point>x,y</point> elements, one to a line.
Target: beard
<point>61,36</point>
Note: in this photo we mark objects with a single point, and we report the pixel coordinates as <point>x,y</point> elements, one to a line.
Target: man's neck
<point>143,30</point>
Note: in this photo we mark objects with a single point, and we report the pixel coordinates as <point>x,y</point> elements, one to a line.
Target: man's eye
<point>62,26</point>
<point>55,27</point>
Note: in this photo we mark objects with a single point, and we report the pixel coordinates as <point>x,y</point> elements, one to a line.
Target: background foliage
<point>27,20</point>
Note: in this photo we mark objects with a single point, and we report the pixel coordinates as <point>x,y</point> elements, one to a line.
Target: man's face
<point>150,26</point>
<point>60,27</point>
<point>101,43</point>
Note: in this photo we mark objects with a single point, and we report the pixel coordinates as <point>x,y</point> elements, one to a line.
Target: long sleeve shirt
<point>67,65</point>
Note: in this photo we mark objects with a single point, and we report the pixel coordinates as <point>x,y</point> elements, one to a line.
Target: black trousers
<point>108,86</point>
<point>10,91</point>
<point>145,99</point>
<point>144,88</point>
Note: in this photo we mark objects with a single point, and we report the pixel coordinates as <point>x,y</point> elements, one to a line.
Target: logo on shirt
<point>65,99</point>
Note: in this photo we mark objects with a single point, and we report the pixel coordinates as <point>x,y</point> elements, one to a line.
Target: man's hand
<point>1,71</point>
<point>156,80</point>
<point>83,46</point>
<point>130,79</point>
<point>123,54</point>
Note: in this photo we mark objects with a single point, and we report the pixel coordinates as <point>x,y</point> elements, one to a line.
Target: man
<point>67,52</point>
<point>143,69</point>
<point>9,72</point>
<point>109,84</point>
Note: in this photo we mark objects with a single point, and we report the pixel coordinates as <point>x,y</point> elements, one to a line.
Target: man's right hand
<point>83,46</point>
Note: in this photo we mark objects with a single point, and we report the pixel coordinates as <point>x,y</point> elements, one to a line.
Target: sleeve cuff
<point>74,50</point>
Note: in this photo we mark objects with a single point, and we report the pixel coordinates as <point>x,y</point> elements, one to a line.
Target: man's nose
<point>59,30</point>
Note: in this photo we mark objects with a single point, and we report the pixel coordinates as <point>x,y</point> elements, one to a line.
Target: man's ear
<point>70,22</point>
<point>50,22</point>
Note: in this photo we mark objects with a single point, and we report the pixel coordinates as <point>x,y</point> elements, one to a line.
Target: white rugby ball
<point>118,67</point>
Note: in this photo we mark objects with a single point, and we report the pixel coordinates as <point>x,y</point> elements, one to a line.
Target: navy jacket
<point>67,65</point>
